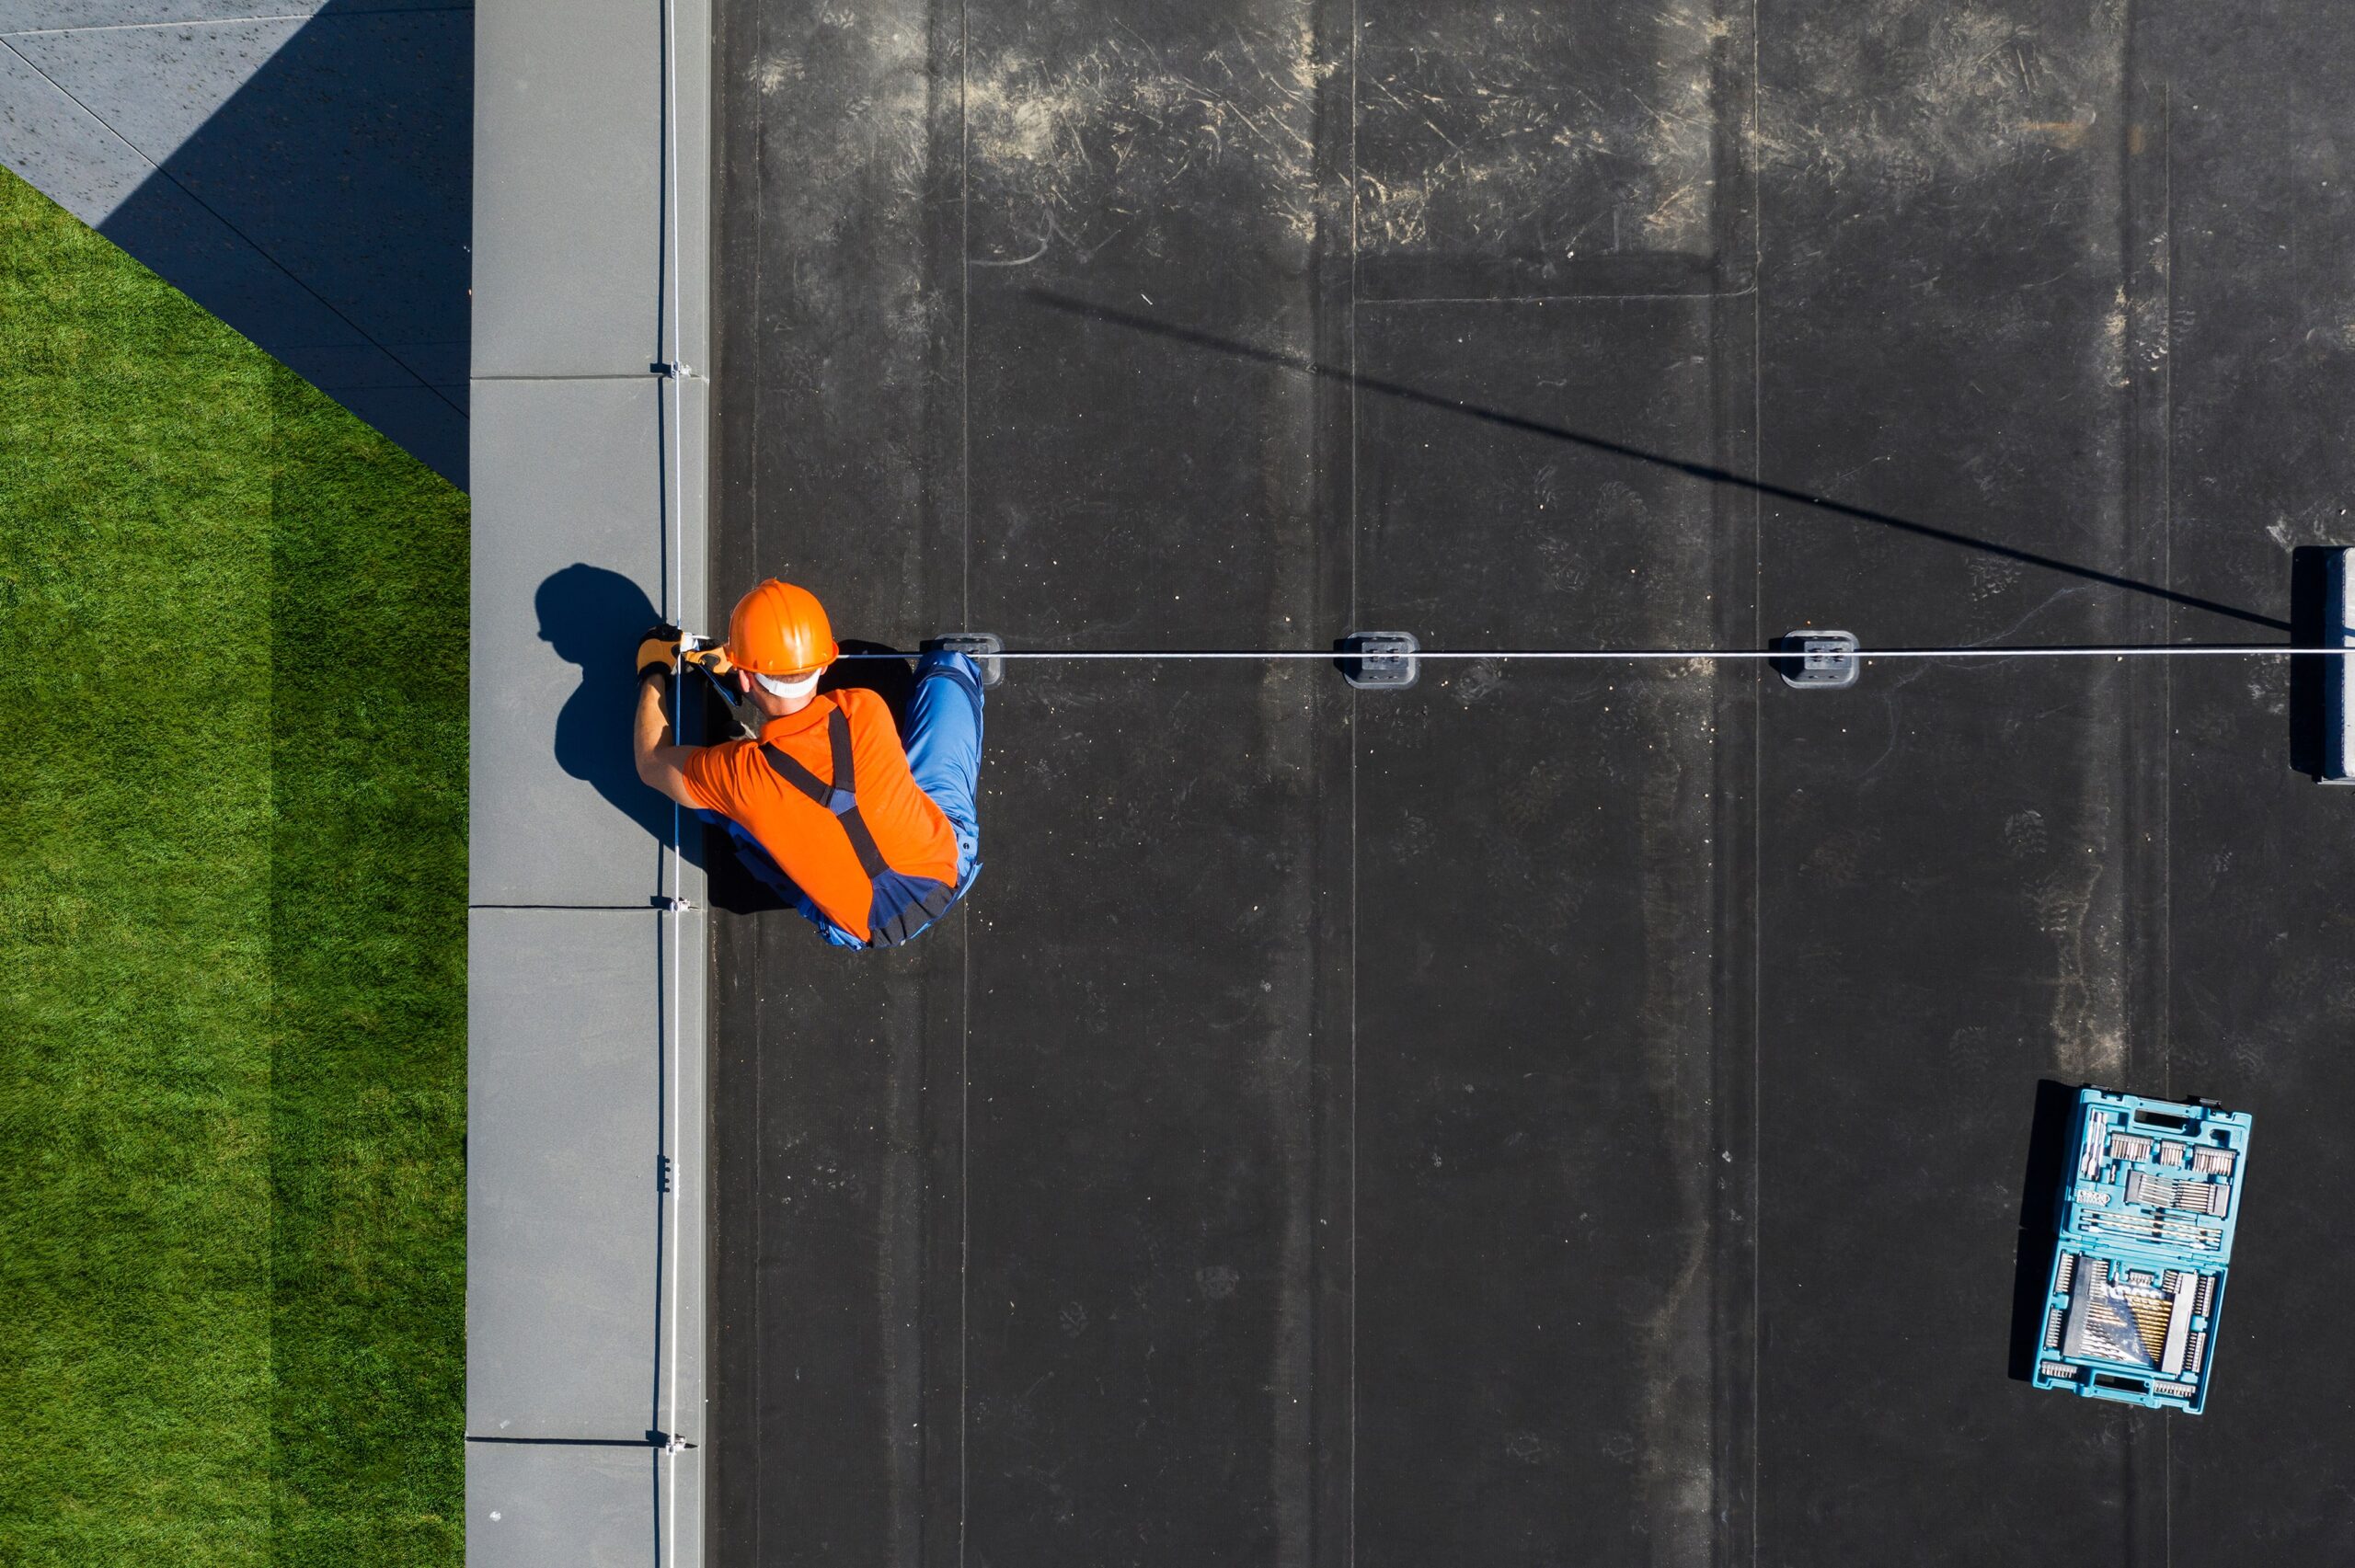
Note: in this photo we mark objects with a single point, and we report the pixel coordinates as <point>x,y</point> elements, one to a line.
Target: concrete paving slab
<point>561,1506</point>
<point>367,202</point>
<point>158,85</point>
<point>567,569</point>
<point>206,258</point>
<point>566,1224</point>
<point>29,15</point>
<point>62,149</point>
<point>301,177</point>
<point>569,226</point>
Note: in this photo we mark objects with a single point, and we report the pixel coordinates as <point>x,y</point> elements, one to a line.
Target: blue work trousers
<point>943,735</point>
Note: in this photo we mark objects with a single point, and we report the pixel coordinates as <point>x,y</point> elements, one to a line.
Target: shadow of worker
<point>593,617</point>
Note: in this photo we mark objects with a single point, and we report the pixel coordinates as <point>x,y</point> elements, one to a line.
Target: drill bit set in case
<point>2147,1211</point>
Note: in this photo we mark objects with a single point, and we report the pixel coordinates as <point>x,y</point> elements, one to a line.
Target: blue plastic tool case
<point>2148,1206</point>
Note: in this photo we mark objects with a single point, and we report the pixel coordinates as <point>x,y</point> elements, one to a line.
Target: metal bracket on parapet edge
<point>1379,661</point>
<point>1816,661</point>
<point>981,647</point>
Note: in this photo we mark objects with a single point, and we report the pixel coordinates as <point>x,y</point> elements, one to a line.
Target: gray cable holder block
<point>1380,661</point>
<point>983,647</point>
<point>1816,661</point>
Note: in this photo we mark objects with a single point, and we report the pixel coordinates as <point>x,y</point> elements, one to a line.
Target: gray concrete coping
<point>587,1044</point>
<point>578,1505</point>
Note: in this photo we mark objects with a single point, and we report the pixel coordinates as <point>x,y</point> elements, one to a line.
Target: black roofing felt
<point>1555,1114</point>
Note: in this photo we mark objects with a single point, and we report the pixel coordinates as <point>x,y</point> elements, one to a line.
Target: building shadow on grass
<point>306,178</point>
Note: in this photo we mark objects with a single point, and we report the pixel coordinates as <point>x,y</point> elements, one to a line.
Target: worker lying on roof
<point>871,843</point>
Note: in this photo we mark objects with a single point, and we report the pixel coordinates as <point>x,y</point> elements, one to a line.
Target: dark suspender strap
<point>845,766</point>
<point>797,776</point>
<point>841,798</point>
<point>862,843</point>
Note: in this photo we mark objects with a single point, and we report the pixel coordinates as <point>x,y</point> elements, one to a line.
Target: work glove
<point>712,658</point>
<point>658,651</point>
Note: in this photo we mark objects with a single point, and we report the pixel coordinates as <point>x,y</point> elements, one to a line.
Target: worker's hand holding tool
<point>658,651</point>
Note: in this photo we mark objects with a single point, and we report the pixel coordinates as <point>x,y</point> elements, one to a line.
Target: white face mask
<point>790,690</point>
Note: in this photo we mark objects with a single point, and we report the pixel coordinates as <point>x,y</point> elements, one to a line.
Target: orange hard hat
<point>779,629</point>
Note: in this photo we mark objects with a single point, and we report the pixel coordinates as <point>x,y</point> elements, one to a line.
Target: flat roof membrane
<point>1557,1113</point>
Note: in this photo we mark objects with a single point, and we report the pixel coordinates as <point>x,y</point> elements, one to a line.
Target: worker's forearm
<point>653,731</point>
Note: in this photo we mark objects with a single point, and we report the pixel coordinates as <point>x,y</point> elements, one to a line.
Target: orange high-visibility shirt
<point>805,839</point>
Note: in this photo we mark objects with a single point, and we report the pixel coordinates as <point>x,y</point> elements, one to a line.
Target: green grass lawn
<point>233,687</point>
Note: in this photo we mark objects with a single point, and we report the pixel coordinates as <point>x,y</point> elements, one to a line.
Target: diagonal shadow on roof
<point>1305,365</point>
